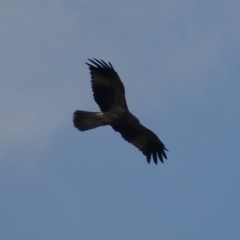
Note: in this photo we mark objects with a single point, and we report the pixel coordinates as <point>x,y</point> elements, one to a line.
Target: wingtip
<point>165,148</point>
<point>89,64</point>
<point>91,60</point>
<point>110,65</point>
<point>155,159</point>
<point>148,158</point>
<point>99,63</point>
<point>161,158</point>
<point>164,154</point>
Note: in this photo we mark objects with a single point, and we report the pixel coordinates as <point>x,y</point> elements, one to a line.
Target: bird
<point>109,94</point>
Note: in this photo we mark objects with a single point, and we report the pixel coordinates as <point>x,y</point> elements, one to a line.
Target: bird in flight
<point>109,94</point>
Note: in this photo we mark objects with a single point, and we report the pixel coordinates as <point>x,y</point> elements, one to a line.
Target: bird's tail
<point>83,120</point>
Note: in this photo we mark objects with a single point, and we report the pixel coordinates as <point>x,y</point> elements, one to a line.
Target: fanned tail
<point>84,120</point>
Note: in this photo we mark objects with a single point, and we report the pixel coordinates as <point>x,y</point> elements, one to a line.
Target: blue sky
<point>179,62</point>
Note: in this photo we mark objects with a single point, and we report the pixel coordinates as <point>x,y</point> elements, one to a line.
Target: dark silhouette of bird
<point>109,94</point>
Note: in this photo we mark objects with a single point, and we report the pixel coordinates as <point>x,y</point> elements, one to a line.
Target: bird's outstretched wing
<point>144,139</point>
<point>108,89</point>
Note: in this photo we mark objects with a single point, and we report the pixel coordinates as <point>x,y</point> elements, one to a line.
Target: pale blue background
<point>179,61</point>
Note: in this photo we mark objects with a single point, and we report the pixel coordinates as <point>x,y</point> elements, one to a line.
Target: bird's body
<point>109,93</point>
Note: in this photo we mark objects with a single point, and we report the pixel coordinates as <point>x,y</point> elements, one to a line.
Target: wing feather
<point>108,89</point>
<point>144,139</point>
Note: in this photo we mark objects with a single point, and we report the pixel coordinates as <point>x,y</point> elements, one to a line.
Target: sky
<point>179,62</point>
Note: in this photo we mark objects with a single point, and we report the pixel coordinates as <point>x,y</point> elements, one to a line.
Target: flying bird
<point>109,94</point>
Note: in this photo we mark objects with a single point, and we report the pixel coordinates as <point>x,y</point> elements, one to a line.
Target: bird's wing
<point>108,89</point>
<point>144,139</point>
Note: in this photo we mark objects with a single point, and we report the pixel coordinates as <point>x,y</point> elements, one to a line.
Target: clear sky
<point>179,62</point>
